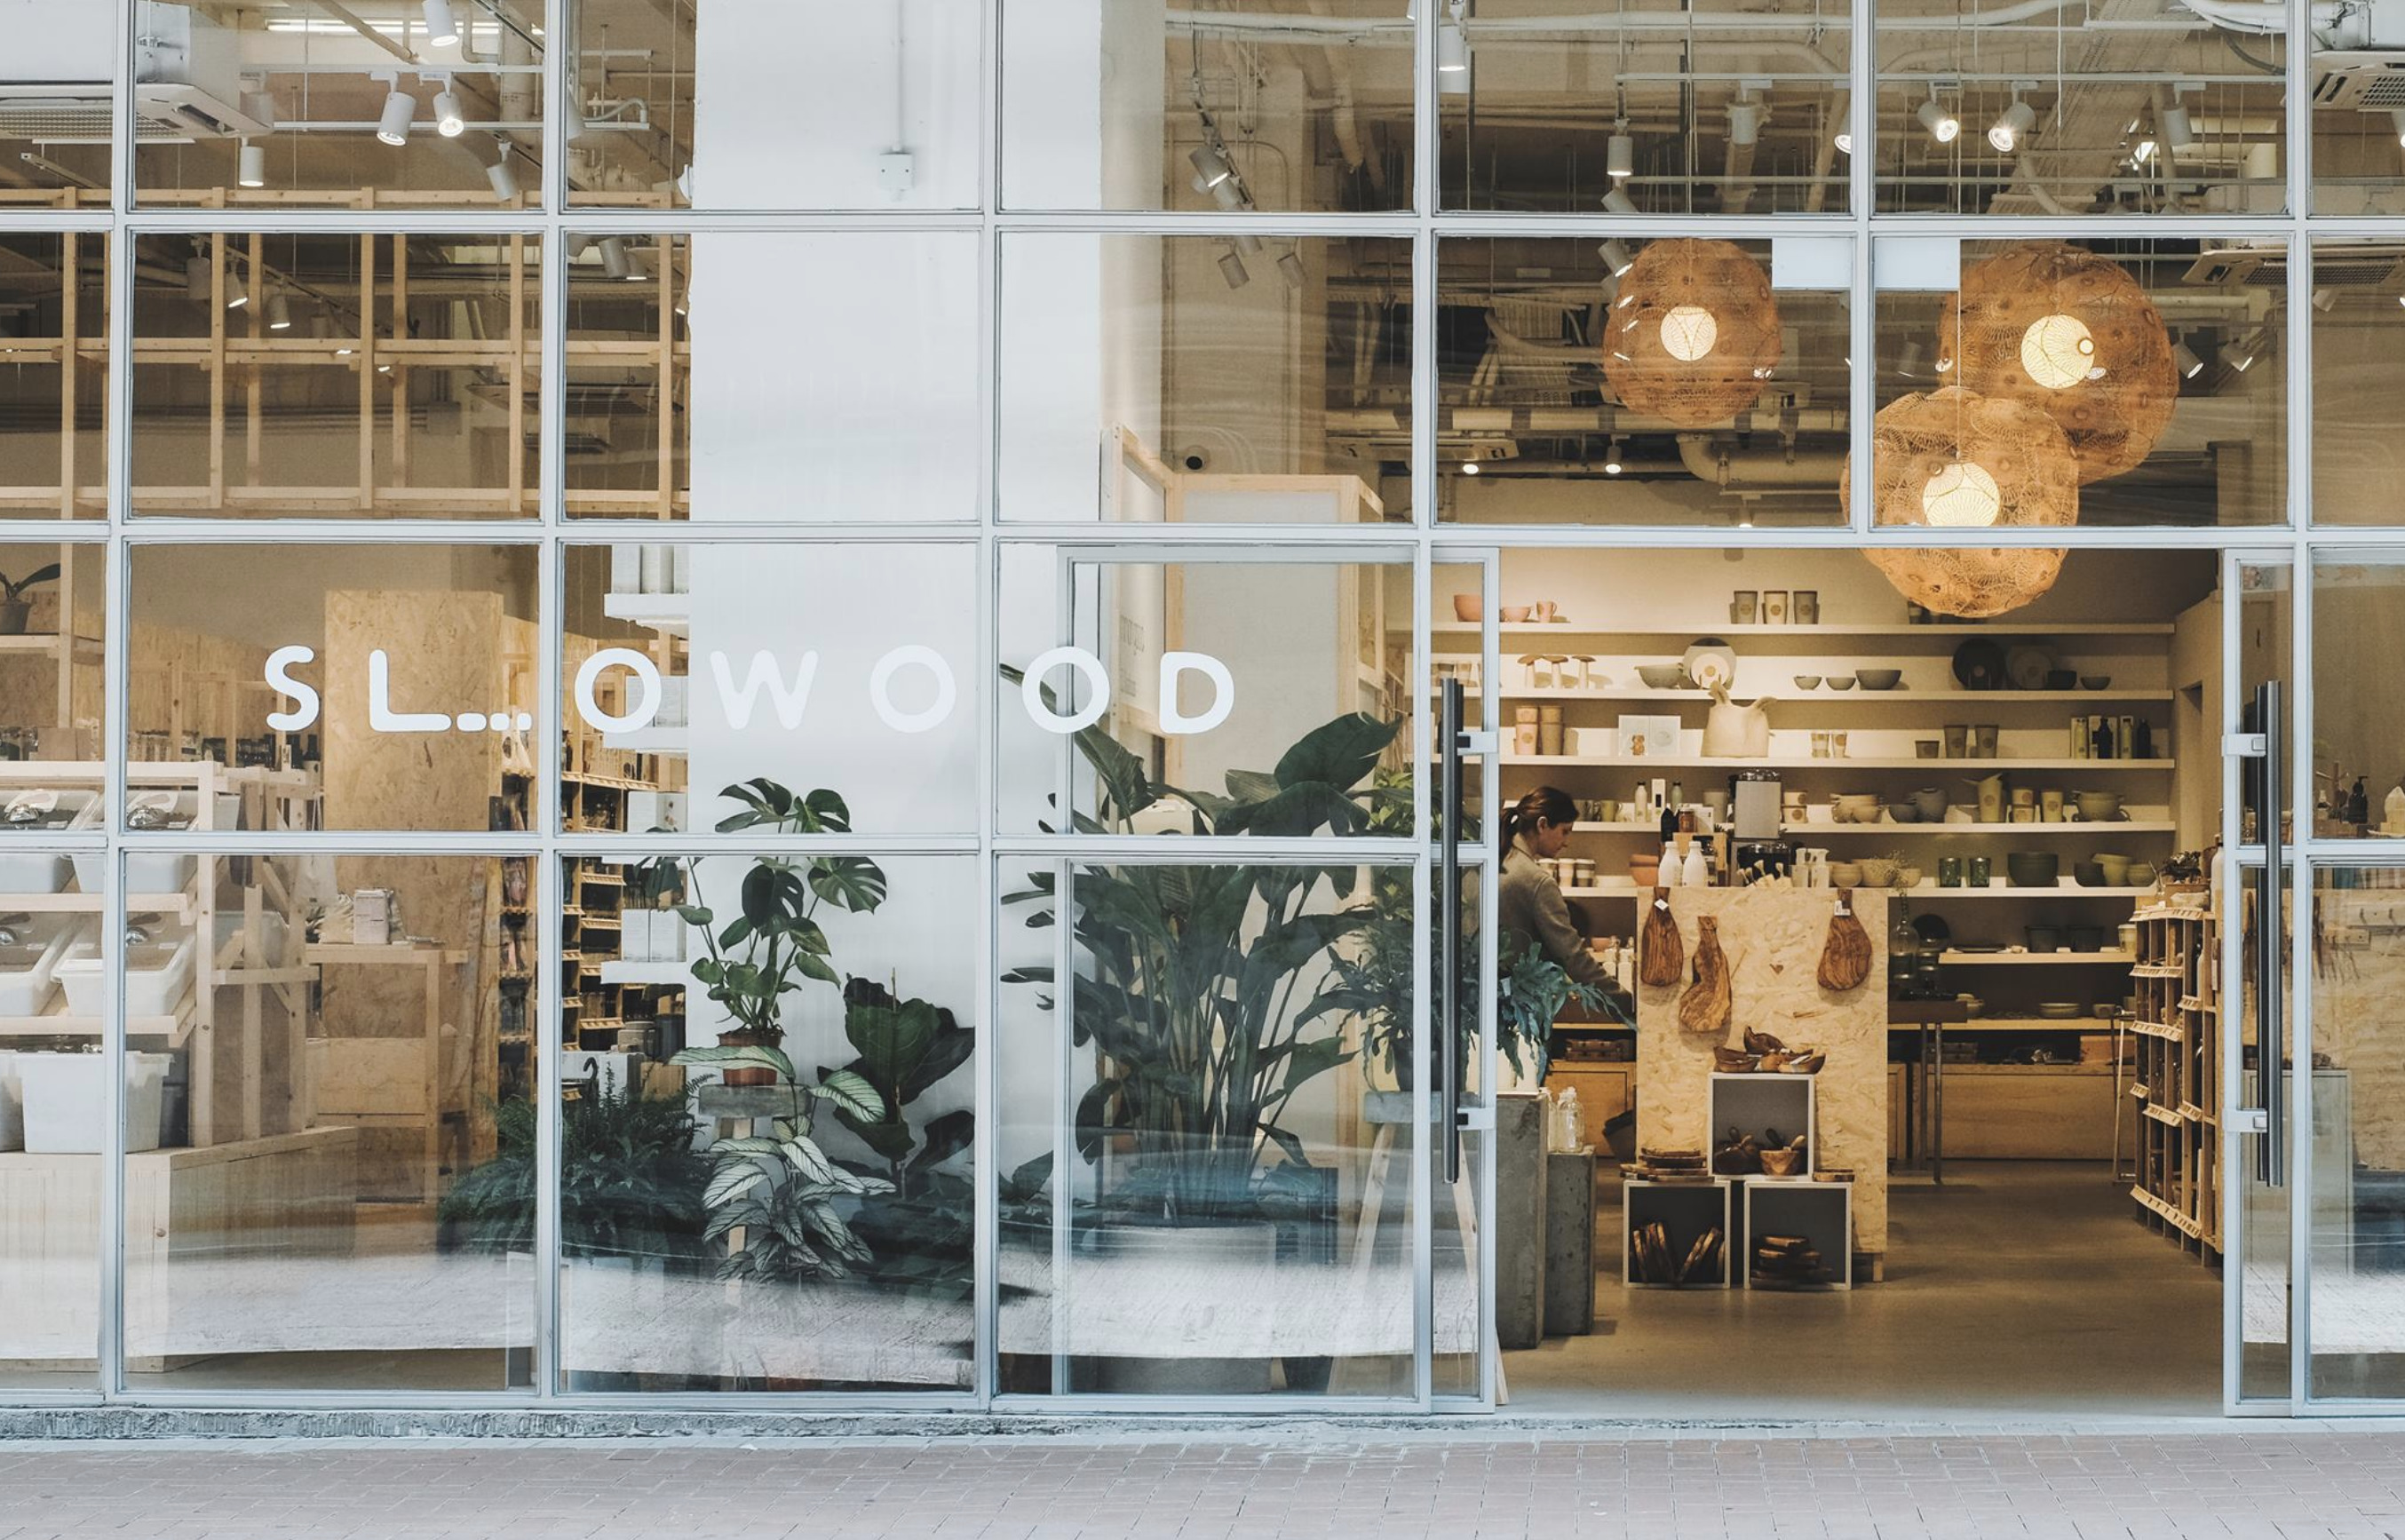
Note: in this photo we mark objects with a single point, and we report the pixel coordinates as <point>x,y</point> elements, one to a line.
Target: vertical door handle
<point>1448,1025</point>
<point>2270,994</point>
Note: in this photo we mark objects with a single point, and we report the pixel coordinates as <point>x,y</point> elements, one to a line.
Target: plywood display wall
<point>1773,940</point>
<point>2358,977</point>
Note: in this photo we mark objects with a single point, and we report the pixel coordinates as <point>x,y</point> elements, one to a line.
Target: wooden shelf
<point>1686,634</point>
<point>1826,697</point>
<point>1686,761</point>
<point>2036,959</point>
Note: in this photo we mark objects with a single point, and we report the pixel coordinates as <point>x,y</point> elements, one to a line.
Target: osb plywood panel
<point>2358,977</point>
<point>1772,942</point>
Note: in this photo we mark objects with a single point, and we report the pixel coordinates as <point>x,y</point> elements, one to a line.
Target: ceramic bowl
<point>1516,613</point>
<point>1468,607</point>
<point>2099,806</point>
<point>1909,876</point>
<point>2044,939</point>
<point>2084,938</point>
<point>2115,869</point>
<point>2034,867</point>
<point>1841,682</point>
<point>2088,874</point>
<point>1645,869</point>
<point>1879,679</point>
<point>1807,680</point>
<point>1858,808</point>
<point>2094,681</point>
<point>1845,874</point>
<point>1903,813</point>
<point>2142,874</point>
<point>1878,873</point>
<point>2058,1011</point>
<point>1926,748</point>
<point>1662,676</point>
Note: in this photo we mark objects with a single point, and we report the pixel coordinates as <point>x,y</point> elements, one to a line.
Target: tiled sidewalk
<point>2289,1484</point>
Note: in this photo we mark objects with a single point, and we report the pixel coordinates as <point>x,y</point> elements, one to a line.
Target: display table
<point>1925,1079</point>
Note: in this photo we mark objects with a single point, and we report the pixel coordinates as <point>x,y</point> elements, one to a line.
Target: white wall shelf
<point>1689,761</point>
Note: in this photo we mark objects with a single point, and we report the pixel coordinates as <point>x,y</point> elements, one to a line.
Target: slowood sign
<point>788,692</point>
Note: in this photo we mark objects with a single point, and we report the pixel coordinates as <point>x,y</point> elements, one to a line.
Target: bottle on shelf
<point>1699,869</point>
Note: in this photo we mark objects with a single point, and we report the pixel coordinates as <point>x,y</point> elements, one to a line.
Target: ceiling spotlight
<point>1844,141</point>
<point>279,313</point>
<point>449,121</point>
<point>2325,300</point>
<point>199,278</point>
<point>1616,256</point>
<point>2184,356</point>
<point>1452,54</point>
<point>2178,132</point>
<point>2015,121</point>
<point>1618,201</point>
<point>1942,125</point>
<point>1469,467</point>
<point>237,292</point>
<point>1232,268</point>
<point>253,172</point>
<point>2396,120</point>
<point>2144,152</point>
<point>1611,466</point>
<point>618,261</point>
<point>1620,154</point>
<point>2240,353</point>
<point>442,29</point>
<point>1745,120</point>
<point>400,111</point>
<point>504,181</point>
<point>1290,268</point>
<point>1211,166</point>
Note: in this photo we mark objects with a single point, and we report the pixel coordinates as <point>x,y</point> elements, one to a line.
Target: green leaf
<point>849,1091</point>
<point>808,1160</point>
<point>1339,753</point>
<point>850,881</point>
<point>891,1040</point>
<point>747,1054</point>
<point>732,1181</point>
<point>947,1136</point>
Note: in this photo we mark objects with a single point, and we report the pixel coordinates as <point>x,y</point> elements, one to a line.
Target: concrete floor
<point>2014,1288</point>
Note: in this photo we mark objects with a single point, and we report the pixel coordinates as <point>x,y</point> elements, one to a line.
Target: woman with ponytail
<point>1529,901</point>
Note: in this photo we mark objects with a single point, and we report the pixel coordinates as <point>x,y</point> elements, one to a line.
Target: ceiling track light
<point>1290,268</point>
<point>449,121</point>
<point>1611,465</point>
<point>442,27</point>
<point>1452,54</point>
<point>252,169</point>
<point>400,111</point>
<point>1618,201</point>
<point>1231,268</point>
<point>499,173</point>
<point>2177,129</point>
<point>1942,125</point>
<point>617,261</point>
<point>279,312</point>
<point>2325,299</point>
<point>1617,258</point>
<point>1211,166</point>
<point>2185,359</point>
<point>2397,121</point>
<point>2014,122</point>
<point>1620,153</point>
<point>2240,353</point>
<point>200,279</point>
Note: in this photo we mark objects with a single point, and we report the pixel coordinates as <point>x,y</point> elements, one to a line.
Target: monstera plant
<point>1203,991</point>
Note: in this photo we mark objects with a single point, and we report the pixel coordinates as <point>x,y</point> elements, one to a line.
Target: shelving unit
<point>2176,1099</point>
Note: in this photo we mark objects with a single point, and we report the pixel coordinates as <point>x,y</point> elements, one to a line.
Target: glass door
<point>1224,1131</point>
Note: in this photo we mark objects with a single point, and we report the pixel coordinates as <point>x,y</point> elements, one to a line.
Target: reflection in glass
<point>1283,106</point>
<point>372,687</point>
<point>54,374</point>
<point>57,106</point>
<point>387,104</point>
<point>1203,1129</point>
<point>1637,382</point>
<point>853,398</point>
<point>1177,711</point>
<point>2359,341</point>
<point>698,106</point>
<point>2164,366</point>
<point>328,1070</point>
<point>1713,109</point>
<point>334,375</point>
<point>698,1254</point>
<point>2358,750</point>
<point>2050,110</point>
<point>1227,380</point>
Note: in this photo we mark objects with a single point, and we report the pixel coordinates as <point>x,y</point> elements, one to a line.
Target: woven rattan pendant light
<point>1694,335</point>
<point>2070,332</point>
<point>1953,459</point>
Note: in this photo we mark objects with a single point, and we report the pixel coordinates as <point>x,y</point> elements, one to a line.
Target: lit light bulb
<point>1845,143</point>
<point>449,120</point>
<point>1942,125</point>
<point>1689,333</point>
<point>2015,121</point>
<point>1962,496</point>
<point>1469,467</point>
<point>2057,351</point>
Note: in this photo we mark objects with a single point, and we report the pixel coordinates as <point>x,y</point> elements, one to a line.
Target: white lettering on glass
<point>1223,692</point>
<point>381,716</point>
<point>279,678</point>
<point>1098,679</point>
<point>647,687</point>
<point>789,702</point>
<point>881,685</point>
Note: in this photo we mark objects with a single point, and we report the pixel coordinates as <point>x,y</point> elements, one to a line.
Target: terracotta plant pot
<point>746,1074</point>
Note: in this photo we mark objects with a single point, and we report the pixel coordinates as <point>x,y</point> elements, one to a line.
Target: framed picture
<point>1774,607</point>
<point>1648,737</point>
<point>1805,607</point>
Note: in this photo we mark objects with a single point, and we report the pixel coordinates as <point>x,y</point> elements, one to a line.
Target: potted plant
<point>15,608</point>
<point>775,943</point>
<point>630,1182</point>
<point>923,1231</point>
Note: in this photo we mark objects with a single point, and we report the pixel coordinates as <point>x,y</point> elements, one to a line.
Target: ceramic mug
<point>2050,805</point>
<point>1958,738</point>
<point>1984,741</point>
<point>1609,812</point>
<point>1743,607</point>
<point>1820,745</point>
<point>1837,744</point>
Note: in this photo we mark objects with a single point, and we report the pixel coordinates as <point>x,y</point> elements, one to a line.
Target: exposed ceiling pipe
<point>1728,466</point>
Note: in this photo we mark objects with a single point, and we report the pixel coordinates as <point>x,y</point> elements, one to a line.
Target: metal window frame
<point>1431,542</point>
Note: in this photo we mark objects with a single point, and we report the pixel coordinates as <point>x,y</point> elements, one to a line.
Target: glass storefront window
<point>698,1254</point>
<point>690,671</point>
<point>1285,107</point>
<point>2162,363</point>
<point>1234,378</point>
<point>2358,320</point>
<point>746,103</point>
<point>57,99</point>
<point>2037,110</point>
<point>53,374</point>
<point>1635,382</point>
<point>327,1077</point>
<point>1714,108</point>
<point>410,107</point>
<point>853,398</point>
<point>337,376</point>
<point>372,687</point>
